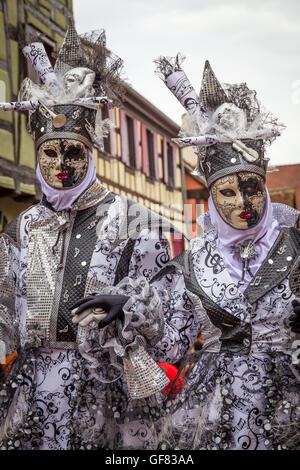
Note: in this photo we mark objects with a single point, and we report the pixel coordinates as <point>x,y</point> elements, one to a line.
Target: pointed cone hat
<point>212,94</point>
<point>71,54</point>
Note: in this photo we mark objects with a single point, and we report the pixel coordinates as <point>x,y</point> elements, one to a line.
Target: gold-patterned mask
<point>240,199</point>
<point>63,163</point>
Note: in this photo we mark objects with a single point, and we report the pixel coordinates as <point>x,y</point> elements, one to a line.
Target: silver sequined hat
<point>226,124</point>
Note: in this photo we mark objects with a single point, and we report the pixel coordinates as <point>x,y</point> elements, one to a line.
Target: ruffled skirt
<point>236,402</point>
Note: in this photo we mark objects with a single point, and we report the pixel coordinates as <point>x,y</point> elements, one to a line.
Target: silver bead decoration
<point>270,261</point>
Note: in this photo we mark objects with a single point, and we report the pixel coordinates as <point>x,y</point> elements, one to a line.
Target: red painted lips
<point>245,215</point>
<point>61,176</point>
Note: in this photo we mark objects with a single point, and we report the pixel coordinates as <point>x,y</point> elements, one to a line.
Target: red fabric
<point>5,368</point>
<point>171,372</point>
<point>177,244</point>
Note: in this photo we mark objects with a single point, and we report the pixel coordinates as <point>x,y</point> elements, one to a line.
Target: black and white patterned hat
<point>67,102</point>
<point>226,125</point>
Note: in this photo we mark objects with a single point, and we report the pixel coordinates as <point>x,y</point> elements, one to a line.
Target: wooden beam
<point>23,197</point>
<point>62,8</point>
<point>10,73</point>
<point>3,65</point>
<point>39,16</point>
<point>17,185</point>
<point>20,78</point>
<point>6,125</point>
<point>21,173</point>
<point>13,32</point>
<point>46,39</point>
<point>200,193</point>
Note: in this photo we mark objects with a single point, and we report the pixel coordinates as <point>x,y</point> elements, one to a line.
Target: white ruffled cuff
<point>142,315</point>
<point>119,348</point>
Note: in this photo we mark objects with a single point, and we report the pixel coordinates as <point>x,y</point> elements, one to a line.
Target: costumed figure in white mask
<point>243,392</point>
<point>77,314</point>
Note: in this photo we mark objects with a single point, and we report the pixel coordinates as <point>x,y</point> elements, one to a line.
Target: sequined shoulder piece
<point>287,216</point>
<point>11,231</point>
<point>277,265</point>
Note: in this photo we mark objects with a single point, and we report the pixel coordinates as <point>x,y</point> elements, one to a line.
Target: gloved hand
<point>102,309</point>
<point>295,318</point>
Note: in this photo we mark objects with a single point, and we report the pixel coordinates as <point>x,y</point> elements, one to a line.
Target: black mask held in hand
<point>102,309</point>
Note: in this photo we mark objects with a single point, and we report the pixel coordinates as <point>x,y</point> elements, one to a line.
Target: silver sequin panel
<point>8,339</point>
<point>44,253</point>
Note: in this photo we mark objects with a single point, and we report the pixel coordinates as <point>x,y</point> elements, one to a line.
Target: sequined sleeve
<point>8,329</point>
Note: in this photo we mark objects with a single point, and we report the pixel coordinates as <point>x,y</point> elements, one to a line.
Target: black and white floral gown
<point>243,392</point>
<point>56,397</point>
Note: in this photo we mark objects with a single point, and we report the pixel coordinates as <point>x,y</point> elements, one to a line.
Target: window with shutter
<point>106,140</point>
<point>170,166</point>
<point>131,142</point>
<point>150,146</point>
